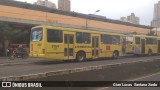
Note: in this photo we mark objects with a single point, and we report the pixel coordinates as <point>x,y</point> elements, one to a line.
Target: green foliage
<point>7,33</point>
<point>4,30</point>
<point>12,35</point>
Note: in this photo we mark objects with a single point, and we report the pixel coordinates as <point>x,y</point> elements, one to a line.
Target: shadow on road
<point>69,61</point>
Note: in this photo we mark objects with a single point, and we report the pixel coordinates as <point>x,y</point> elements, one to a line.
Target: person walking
<point>7,52</point>
<point>20,51</point>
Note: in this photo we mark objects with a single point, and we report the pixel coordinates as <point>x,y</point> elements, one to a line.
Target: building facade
<point>34,14</point>
<point>64,5</point>
<point>131,19</point>
<point>123,19</point>
<point>45,3</point>
<point>156,16</point>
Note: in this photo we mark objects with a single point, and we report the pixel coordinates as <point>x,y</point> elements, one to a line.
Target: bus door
<point>158,46</point>
<point>124,44</point>
<point>95,46</point>
<point>142,46</point>
<point>68,46</point>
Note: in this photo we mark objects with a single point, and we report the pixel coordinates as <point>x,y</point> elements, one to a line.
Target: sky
<point>113,9</point>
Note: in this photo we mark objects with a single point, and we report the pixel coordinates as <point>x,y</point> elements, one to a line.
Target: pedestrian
<point>7,52</point>
<point>20,51</point>
<point>10,51</point>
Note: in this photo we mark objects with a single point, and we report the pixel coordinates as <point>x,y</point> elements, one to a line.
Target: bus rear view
<point>36,42</point>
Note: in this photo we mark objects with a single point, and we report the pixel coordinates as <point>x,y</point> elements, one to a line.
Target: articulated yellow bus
<point>61,43</point>
<point>141,44</point>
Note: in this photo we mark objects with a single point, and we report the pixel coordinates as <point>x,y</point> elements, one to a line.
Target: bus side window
<point>116,40</point>
<point>107,39</point>
<point>55,36</point>
<point>86,38</point>
<point>102,38</point>
<point>79,37</point>
<point>137,40</point>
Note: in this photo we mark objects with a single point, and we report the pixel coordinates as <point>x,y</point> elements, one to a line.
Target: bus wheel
<point>115,55</point>
<point>80,56</point>
<point>149,52</point>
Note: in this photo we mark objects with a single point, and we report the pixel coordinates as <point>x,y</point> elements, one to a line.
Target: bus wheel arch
<point>149,52</point>
<point>80,56</point>
<point>115,54</point>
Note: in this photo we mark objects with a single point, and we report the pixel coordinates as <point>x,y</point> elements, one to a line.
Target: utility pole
<point>88,18</point>
<point>157,20</point>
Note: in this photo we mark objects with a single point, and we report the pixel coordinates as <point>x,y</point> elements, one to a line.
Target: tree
<point>8,35</point>
<point>4,33</point>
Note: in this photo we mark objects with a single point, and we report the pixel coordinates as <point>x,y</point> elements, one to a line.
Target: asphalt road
<point>151,77</point>
<point>48,66</point>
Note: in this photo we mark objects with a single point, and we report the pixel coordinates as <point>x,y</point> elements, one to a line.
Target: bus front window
<point>129,40</point>
<point>36,34</point>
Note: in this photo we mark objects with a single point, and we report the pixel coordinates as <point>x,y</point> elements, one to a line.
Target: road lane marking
<point>135,79</point>
<point>103,88</point>
<point>146,76</point>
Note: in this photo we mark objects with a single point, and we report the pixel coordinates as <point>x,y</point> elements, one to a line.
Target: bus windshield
<point>129,39</point>
<point>36,34</point>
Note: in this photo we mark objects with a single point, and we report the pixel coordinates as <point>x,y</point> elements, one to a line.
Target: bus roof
<point>75,29</point>
<point>144,36</point>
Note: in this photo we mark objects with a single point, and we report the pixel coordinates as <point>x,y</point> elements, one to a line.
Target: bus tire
<point>115,55</point>
<point>80,56</point>
<point>149,52</point>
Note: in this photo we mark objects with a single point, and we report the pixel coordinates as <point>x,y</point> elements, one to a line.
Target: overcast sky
<point>113,9</point>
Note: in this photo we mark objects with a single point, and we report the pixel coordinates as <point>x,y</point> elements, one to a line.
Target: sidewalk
<point>4,61</point>
<point>4,58</point>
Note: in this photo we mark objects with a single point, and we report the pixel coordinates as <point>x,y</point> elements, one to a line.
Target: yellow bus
<point>141,44</point>
<point>61,43</point>
<point>151,45</point>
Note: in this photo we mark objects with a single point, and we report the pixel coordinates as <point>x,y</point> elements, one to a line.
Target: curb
<point>10,64</point>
